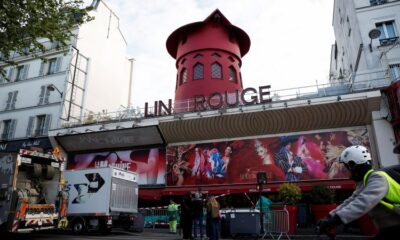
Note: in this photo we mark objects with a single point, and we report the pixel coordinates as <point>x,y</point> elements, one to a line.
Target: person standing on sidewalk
<point>187,216</point>
<point>172,215</point>
<point>198,216</point>
<point>213,217</point>
<point>376,193</point>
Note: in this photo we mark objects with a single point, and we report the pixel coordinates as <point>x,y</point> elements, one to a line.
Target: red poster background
<point>303,157</point>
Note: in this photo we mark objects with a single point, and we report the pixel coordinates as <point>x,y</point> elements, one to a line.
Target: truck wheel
<point>78,226</point>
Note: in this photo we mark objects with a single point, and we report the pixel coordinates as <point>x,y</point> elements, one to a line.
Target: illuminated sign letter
<point>215,97</point>
<point>264,93</point>
<point>199,99</point>
<point>254,98</point>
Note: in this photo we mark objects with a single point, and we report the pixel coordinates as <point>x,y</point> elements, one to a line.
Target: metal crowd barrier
<point>155,216</point>
<point>276,224</point>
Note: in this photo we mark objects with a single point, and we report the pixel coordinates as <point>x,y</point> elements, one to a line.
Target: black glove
<point>326,225</point>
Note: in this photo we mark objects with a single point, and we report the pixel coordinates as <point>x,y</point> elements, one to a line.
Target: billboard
<point>149,164</point>
<point>310,156</point>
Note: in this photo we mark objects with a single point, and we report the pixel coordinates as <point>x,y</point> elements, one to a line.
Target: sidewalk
<point>302,233</point>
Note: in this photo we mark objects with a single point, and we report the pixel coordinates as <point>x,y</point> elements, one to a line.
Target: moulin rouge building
<point>216,135</point>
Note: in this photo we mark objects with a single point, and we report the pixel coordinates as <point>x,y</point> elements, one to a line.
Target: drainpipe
<point>132,61</point>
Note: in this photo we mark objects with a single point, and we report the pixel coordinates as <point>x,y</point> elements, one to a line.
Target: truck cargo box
<point>101,191</point>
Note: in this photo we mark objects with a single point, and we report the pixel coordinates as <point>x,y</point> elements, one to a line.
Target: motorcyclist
<point>372,188</point>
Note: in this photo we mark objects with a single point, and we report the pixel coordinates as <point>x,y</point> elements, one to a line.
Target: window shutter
<point>25,72</point>
<point>58,64</point>
<point>9,99</point>
<point>14,99</point>
<point>12,129</point>
<point>10,74</point>
<point>30,126</point>
<point>46,96</point>
<point>47,124</point>
<point>41,68</point>
<point>41,96</point>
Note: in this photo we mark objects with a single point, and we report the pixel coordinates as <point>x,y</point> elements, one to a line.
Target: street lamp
<point>261,180</point>
<point>373,34</point>
<point>52,87</point>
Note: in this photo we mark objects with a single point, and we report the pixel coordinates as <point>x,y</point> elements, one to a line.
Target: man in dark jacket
<point>198,216</point>
<point>187,216</point>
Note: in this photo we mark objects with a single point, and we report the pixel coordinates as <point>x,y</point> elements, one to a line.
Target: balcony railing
<point>353,84</point>
<point>39,132</point>
<point>388,41</point>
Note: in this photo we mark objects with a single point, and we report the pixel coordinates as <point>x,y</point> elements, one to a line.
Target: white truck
<point>31,191</point>
<point>101,198</point>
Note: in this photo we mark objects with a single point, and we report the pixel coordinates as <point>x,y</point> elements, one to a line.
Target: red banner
<point>302,157</point>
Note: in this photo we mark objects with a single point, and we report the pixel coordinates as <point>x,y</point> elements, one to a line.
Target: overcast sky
<point>290,40</point>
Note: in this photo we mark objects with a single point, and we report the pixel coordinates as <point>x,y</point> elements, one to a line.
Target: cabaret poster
<point>149,164</point>
<point>311,156</point>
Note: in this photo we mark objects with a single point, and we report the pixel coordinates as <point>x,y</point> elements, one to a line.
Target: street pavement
<point>158,233</point>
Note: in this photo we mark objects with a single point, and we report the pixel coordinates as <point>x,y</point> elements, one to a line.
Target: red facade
<point>208,57</point>
<point>393,95</point>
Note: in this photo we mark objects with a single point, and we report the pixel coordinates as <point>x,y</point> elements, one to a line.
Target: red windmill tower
<point>208,59</point>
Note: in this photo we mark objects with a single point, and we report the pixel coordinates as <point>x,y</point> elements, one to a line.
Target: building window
<point>198,56</point>
<point>44,95</point>
<point>216,71</point>
<point>183,76</point>
<point>377,2</point>
<point>231,59</point>
<point>8,129</point>
<point>52,66</point>
<point>38,125</point>
<point>183,61</point>
<point>11,100</point>
<point>232,74</point>
<point>20,69</point>
<point>388,33</point>
<point>395,71</point>
<point>216,55</point>
<point>198,71</point>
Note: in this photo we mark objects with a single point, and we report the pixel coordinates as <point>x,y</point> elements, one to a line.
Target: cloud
<point>290,40</point>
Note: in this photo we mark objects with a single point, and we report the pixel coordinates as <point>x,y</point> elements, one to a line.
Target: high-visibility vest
<point>392,197</point>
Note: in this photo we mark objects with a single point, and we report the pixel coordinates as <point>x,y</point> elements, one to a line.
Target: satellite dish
<point>374,33</point>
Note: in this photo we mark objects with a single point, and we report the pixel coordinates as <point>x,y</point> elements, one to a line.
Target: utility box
<point>101,198</point>
<point>243,222</point>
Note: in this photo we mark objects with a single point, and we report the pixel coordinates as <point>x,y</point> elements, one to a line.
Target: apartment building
<point>367,43</point>
<point>90,74</point>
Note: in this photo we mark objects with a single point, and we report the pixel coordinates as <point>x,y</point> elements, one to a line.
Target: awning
<point>333,112</point>
<point>122,138</point>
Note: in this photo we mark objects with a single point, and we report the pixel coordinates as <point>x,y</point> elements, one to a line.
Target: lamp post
<point>261,180</point>
<point>51,87</point>
<point>373,34</point>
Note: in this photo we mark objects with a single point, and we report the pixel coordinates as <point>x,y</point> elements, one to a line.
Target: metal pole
<point>261,210</point>
<point>131,60</point>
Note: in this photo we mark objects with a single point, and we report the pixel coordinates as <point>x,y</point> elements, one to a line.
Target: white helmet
<point>357,154</point>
